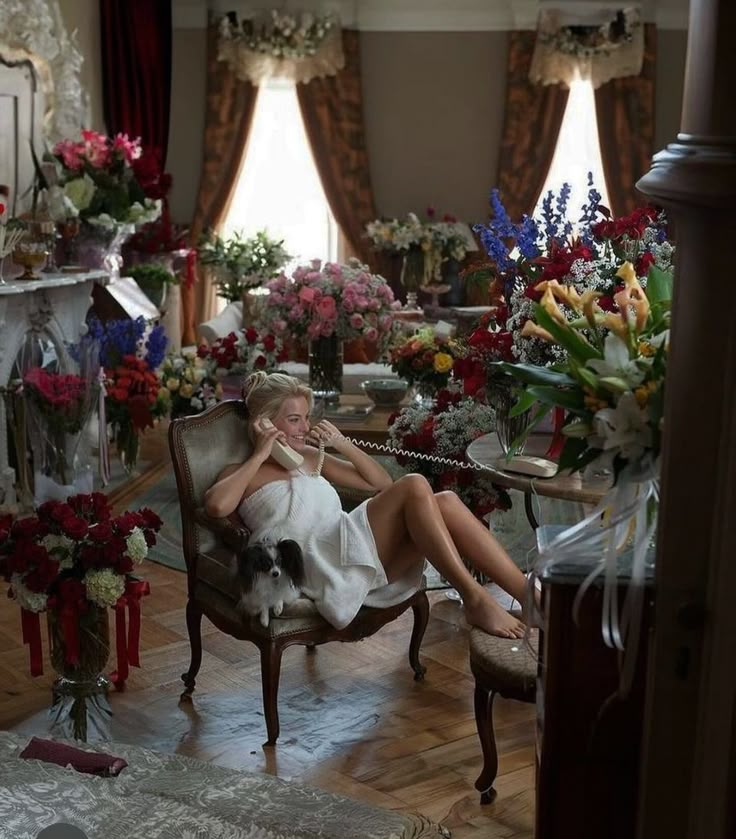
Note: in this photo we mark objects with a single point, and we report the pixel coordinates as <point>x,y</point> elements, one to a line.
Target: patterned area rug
<point>162,498</point>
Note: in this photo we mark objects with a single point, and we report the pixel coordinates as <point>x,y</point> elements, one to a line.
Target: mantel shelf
<point>47,281</point>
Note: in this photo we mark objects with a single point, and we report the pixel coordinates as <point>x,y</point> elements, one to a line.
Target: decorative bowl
<point>29,255</point>
<point>385,392</point>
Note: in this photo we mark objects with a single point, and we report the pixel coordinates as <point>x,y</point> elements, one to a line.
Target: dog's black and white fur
<point>270,577</point>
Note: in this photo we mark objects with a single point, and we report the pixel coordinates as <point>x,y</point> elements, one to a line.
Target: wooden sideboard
<point>588,737</point>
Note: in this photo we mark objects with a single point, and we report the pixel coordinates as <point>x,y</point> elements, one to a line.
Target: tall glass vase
<point>79,647</point>
<point>98,247</point>
<point>508,428</point>
<point>412,275</point>
<point>127,444</point>
<point>325,368</point>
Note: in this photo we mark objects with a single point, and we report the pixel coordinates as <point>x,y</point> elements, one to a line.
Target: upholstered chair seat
<point>505,666</point>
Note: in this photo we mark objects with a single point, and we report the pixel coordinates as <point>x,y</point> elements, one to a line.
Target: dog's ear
<point>246,565</point>
<point>292,560</point>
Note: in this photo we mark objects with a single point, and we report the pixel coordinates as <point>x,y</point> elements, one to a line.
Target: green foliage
<point>239,263</point>
<point>151,275</point>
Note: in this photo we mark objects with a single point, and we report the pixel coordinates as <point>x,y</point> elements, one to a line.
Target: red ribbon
<point>31,628</point>
<point>558,438</point>
<point>127,643</point>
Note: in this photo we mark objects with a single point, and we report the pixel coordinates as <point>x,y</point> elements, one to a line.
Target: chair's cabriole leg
<point>421,618</point>
<point>270,672</point>
<point>484,723</point>
<point>194,628</point>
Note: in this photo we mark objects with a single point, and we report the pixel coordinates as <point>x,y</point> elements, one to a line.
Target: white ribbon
<point>596,543</point>
<point>103,443</point>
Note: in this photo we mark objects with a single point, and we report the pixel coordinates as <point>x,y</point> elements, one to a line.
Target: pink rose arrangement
<point>319,301</point>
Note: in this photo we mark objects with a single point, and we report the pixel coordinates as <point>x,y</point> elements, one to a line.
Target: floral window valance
<point>294,47</point>
<point>608,47</point>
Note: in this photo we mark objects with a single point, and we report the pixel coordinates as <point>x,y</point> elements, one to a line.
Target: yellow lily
<point>617,325</point>
<point>627,274</point>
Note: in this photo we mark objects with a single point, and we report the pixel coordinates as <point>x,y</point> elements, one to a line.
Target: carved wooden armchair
<point>201,446</point>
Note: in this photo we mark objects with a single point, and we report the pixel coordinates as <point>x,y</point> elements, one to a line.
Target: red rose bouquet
<point>72,559</point>
<point>244,352</point>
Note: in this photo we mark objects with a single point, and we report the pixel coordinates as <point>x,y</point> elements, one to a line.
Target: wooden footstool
<point>505,666</point>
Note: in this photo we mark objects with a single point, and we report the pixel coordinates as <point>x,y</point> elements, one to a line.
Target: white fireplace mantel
<point>55,305</point>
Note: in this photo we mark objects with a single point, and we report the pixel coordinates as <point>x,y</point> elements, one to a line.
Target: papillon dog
<point>270,577</point>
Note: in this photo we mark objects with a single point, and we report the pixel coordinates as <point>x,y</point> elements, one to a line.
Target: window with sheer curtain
<point>577,152</point>
<point>279,188</point>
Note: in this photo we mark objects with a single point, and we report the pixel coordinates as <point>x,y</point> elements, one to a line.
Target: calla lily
<point>616,363</point>
<point>627,274</point>
<point>532,330</point>
<point>589,306</point>
<point>549,304</point>
<point>617,325</point>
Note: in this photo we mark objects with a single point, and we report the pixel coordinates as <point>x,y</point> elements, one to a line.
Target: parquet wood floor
<point>353,721</point>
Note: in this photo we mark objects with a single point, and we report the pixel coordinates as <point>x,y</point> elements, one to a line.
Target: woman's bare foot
<point>486,613</point>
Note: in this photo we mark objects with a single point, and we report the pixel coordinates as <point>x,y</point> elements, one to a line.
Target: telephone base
<point>524,464</point>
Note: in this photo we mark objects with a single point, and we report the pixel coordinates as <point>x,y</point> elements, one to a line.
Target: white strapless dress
<point>342,568</point>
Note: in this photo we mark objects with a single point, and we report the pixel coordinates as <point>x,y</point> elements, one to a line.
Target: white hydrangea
<point>59,547</point>
<point>137,545</point>
<point>27,599</point>
<point>104,587</point>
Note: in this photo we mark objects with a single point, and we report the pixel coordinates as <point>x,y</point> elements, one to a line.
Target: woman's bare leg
<point>478,545</point>
<point>409,511</point>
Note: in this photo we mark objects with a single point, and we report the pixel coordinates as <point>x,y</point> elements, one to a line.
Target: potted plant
<point>153,279</point>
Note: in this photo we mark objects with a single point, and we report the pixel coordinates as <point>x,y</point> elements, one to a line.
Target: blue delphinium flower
<point>548,216</point>
<point>501,222</point>
<point>156,347</point>
<point>589,212</point>
<point>527,237</point>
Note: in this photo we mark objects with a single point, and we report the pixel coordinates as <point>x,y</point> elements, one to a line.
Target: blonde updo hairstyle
<point>264,394</point>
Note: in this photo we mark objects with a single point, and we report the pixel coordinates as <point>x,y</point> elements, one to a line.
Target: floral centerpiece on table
<point>244,352</point>
<point>424,245</point>
<point>426,360</point>
<point>611,384</point>
<point>443,431</point>
<point>130,354</point>
<point>324,300</point>
<point>532,251</point>
<point>74,560</point>
<point>97,183</point>
<point>189,384</point>
<point>241,263</point>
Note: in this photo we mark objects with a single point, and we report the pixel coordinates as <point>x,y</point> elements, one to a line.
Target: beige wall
<point>186,127</point>
<point>433,110</point>
<point>84,17</point>
<point>671,53</point>
<point>432,129</point>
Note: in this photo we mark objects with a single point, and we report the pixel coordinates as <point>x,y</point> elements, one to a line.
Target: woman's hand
<point>265,435</point>
<point>325,434</point>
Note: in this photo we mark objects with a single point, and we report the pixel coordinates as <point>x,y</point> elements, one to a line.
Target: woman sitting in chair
<point>374,555</point>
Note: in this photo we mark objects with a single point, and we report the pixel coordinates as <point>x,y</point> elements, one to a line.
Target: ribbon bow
<point>127,643</point>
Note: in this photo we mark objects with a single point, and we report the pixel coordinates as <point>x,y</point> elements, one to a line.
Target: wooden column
<point>691,718</point>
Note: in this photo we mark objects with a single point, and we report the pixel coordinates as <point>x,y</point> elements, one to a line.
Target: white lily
<point>616,362</point>
<point>623,428</point>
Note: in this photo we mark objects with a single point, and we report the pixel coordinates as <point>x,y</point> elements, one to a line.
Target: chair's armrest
<point>235,536</point>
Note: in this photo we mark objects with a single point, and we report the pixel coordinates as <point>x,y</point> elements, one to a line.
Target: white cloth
<point>342,569</point>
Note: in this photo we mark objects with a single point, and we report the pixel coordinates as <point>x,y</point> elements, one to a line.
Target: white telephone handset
<point>283,455</point>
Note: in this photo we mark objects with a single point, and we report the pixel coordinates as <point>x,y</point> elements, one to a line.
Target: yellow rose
<point>172,384</point>
<point>186,390</point>
<point>442,362</point>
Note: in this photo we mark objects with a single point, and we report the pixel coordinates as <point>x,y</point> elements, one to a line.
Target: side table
<point>486,452</point>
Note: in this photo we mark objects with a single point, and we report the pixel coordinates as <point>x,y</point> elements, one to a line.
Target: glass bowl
<point>385,392</point>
